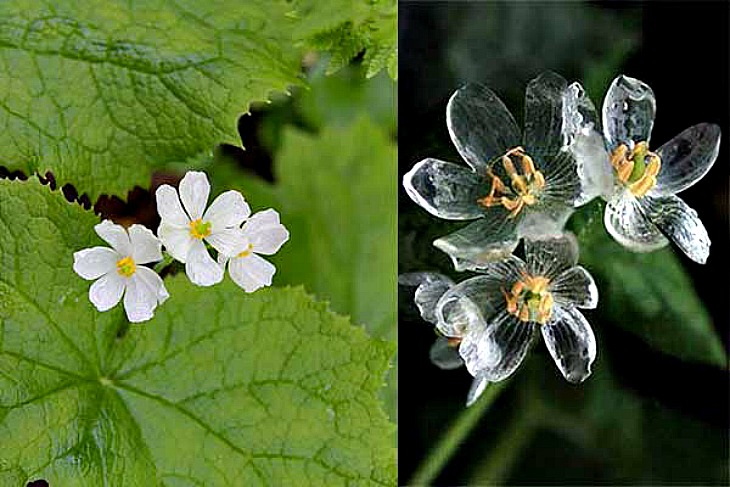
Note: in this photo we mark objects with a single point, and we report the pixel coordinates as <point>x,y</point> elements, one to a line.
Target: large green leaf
<point>220,388</point>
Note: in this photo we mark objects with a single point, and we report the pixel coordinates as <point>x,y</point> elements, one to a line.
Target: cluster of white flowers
<point>523,187</point>
<point>186,230</point>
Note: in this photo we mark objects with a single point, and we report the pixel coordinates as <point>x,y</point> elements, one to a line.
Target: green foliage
<point>220,388</point>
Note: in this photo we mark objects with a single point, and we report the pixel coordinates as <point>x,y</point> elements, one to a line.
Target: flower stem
<point>166,261</point>
<point>454,437</point>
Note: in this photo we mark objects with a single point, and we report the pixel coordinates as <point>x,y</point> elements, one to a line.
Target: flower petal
<point>228,241</point>
<point>478,386</point>
<point>575,287</point>
<point>95,262</point>
<point>486,240</point>
<point>480,125</point>
<point>687,158</point>
<point>140,299</point>
<point>446,190</point>
<point>146,247</point>
<point>444,356</point>
<point>177,240</point>
<point>562,180</point>
<point>251,272</point>
<point>169,206</point>
<point>628,112</point>
<point>194,191</point>
<point>544,114</point>
<point>625,221</point>
<point>229,209</point>
<point>680,223</point>
<point>106,292</point>
<point>430,287</point>
<point>570,340</point>
<point>496,350</point>
<point>153,281</point>
<point>549,256</point>
<point>265,233</point>
<point>115,235</point>
<point>200,267</point>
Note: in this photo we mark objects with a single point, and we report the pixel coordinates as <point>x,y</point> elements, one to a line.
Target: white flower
<point>118,271</point>
<point>185,227</point>
<point>263,234</point>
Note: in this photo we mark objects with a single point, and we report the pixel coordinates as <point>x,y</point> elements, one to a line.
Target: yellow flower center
<point>246,252</point>
<point>523,188</point>
<point>126,267</point>
<point>199,229</point>
<point>636,169</point>
<point>529,299</point>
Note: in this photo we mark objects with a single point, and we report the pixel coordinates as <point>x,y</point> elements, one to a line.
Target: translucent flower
<point>640,184</point>
<point>186,227</point>
<point>263,234</point>
<point>120,271</point>
<point>518,185</point>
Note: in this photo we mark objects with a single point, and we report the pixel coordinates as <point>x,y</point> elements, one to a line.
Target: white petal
<point>169,206</point>
<point>251,272</point>
<point>544,114</point>
<point>194,191</point>
<point>550,256</point>
<point>115,235</point>
<point>478,386</point>
<point>570,340</point>
<point>575,287</point>
<point>177,240</point>
<point>154,282</point>
<point>628,112</point>
<point>227,241</point>
<point>200,267</point>
<point>140,299</point>
<point>107,291</point>
<point>430,287</point>
<point>687,158</point>
<point>95,262</point>
<point>480,242</point>
<point>627,224</point>
<point>265,233</point>
<point>229,209</point>
<point>444,356</point>
<point>146,247</point>
<point>680,223</point>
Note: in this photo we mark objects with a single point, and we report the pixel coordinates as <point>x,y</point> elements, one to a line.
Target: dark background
<point>681,51</point>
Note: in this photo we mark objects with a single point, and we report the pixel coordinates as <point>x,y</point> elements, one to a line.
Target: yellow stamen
<point>529,299</point>
<point>638,169</point>
<point>126,267</point>
<point>246,252</point>
<point>199,229</point>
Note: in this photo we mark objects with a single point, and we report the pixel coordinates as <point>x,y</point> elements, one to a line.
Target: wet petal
<point>562,181</point>
<point>229,209</point>
<point>687,158</point>
<point>628,112</point>
<point>625,221</point>
<point>496,350</point>
<point>194,191</point>
<point>106,292</point>
<point>478,386</point>
<point>153,281</point>
<point>227,241</point>
<point>680,223</point>
<point>265,233</point>
<point>140,299</point>
<point>480,125</point>
<point>544,114</point>
<point>446,190</point>
<point>146,247</point>
<point>95,262</point>
<point>549,256</point>
<point>575,287</point>
<point>486,240</point>
<point>177,240</point>
<point>200,267</point>
<point>444,356</point>
<point>115,235</point>
<point>570,340</point>
<point>430,287</point>
<point>251,272</point>
<point>169,206</point>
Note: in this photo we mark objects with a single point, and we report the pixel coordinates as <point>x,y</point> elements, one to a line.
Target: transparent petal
<point>687,158</point>
<point>194,192</point>
<point>628,112</point>
<point>430,286</point>
<point>446,190</point>
<point>626,223</point>
<point>579,117</point>
<point>679,223</point>
<point>496,350</point>
<point>251,272</point>
<point>486,240</point>
<point>106,292</point>
<point>146,247</point>
<point>545,220</point>
<point>478,386</point>
<point>594,167</point>
<point>456,314</point>
<point>265,233</point>
<point>140,299</point>
<point>153,281</point>
<point>228,241</point>
<point>575,287</point>
<point>200,267</point>
<point>544,114</point>
<point>95,262</point>
<point>169,206</point>
<point>177,240</point>
<point>562,181</point>
<point>444,356</point>
<point>480,125</point>
<point>570,340</point>
<point>549,256</point>
<point>115,235</point>
<point>229,209</point>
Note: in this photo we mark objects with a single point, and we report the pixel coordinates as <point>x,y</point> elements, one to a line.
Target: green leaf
<point>648,294</point>
<point>220,388</point>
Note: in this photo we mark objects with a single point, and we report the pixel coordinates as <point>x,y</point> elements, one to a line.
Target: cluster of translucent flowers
<point>524,186</point>
<point>187,231</point>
